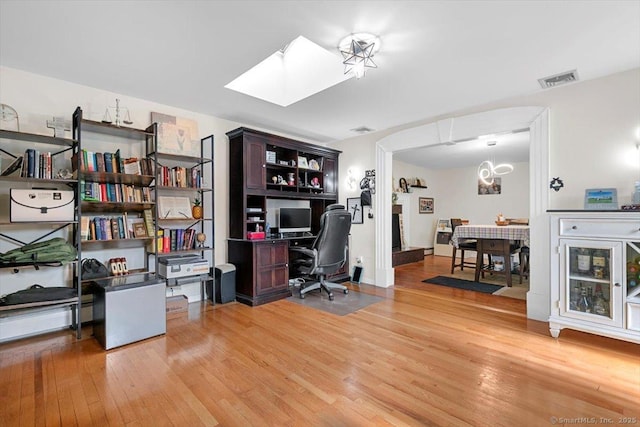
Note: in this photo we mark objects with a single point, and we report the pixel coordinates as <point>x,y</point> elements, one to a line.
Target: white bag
<point>41,205</point>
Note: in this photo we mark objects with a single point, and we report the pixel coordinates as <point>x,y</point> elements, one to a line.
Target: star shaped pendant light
<point>357,51</point>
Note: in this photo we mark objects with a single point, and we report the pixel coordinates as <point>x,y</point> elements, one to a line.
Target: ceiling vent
<point>362,129</point>
<point>559,79</point>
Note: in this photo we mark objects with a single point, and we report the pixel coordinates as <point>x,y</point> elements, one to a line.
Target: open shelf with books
<point>184,203</point>
<point>29,162</point>
<point>117,200</point>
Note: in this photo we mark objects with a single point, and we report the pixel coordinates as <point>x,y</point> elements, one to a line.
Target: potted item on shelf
<point>196,210</point>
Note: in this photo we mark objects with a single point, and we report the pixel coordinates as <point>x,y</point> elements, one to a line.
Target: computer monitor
<point>294,220</point>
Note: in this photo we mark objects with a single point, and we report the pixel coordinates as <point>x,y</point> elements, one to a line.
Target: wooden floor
<point>426,355</point>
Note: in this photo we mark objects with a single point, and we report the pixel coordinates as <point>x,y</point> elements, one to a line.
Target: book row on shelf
<point>175,239</point>
<point>131,226</point>
<point>110,192</point>
<point>179,176</point>
<point>113,162</point>
<point>123,226</point>
<point>33,164</point>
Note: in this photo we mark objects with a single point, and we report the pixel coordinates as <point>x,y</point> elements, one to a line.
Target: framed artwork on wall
<point>425,205</point>
<point>177,135</point>
<point>494,188</point>
<point>354,207</point>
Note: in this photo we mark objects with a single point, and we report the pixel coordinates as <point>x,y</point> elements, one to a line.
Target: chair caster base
<point>346,291</point>
<point>331,297</point>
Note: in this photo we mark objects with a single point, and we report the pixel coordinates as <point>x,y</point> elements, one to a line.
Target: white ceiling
<point>509,148</point>
<point>436,57</point>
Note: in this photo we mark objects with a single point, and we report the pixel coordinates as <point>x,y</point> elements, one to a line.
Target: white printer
<point>178,267</point>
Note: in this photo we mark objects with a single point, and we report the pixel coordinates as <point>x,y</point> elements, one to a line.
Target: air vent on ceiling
<point>559,79</point>
<point>362,129</point>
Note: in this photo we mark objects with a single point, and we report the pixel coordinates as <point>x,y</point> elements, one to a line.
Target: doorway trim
<point>536,119</point>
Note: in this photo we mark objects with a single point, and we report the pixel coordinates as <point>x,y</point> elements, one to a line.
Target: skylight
<point>291,74</point>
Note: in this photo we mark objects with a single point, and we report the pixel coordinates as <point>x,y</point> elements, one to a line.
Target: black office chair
<point>328,252</point>
<point>463,245</point>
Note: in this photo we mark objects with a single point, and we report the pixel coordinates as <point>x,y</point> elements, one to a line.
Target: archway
<point>536,119</point>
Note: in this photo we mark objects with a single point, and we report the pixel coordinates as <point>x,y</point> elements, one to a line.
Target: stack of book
<point>33,164</point>
<point>176,239</point>
<point>123,226</point>
<point>114,163</point>
<point>180,177</point>
<point>111,192</point>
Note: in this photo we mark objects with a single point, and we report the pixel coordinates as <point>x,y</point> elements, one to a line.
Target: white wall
<point>457,195</point>
<point>359,158</point>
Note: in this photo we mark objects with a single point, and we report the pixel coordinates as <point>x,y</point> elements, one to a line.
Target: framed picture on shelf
<point>14,166</point>
<point>600,199</point>
<point>443,223</point>
<point>174,208</point>
<point>355,209</point>
<point>302,162</point>
<point>425,205</point>
<point>177,135</point>
<point>138,227</point>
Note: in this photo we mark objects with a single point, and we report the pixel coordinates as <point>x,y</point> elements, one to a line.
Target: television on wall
<point>294,220</point>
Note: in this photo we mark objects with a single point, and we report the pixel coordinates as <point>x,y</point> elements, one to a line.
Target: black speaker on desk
<point>225,283</point>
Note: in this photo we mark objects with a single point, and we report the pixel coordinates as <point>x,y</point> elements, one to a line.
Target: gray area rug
<point>341,305</point>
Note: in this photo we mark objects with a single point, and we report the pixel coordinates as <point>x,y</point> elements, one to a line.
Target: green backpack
<point>56,250</point>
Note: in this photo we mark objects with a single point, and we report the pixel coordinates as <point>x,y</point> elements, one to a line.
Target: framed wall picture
<point>355,209</point>
<point>494,188</point>
<point>425,205</point>
<point>177,135</point>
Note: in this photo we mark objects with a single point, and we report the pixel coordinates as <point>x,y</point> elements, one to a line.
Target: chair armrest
<point>305,251</point>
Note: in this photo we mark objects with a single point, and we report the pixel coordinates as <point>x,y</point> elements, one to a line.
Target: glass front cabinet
<point>595,272</point>
<point>591,283</point>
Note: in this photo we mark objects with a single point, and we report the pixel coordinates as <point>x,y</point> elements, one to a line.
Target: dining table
<point>492,240</point>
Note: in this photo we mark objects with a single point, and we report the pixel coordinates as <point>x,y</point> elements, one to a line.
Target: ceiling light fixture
<point>488,171</point>
<point>358,51</point>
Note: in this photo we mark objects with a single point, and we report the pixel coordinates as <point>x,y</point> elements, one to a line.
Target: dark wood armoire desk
<point>256,162</point>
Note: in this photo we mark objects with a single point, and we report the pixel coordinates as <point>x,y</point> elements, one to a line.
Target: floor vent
<point>559,79</point>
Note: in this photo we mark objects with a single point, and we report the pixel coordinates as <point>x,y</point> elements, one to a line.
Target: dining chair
<point>463,245</point>
<point>524,250</point>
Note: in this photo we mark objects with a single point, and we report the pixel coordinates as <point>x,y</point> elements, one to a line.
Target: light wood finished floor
<point>426,355</point>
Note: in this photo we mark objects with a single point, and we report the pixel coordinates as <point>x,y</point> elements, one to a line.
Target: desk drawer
<point>605,228</point>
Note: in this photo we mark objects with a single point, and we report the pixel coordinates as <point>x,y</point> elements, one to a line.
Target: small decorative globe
<point>201,237</point>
